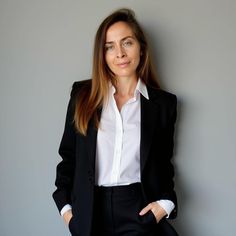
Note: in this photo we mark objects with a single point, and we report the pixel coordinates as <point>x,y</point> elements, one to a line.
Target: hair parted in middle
<point>93,97</point>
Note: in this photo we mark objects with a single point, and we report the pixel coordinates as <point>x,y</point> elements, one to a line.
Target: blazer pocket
<point>149,218</point>
<point>71,225</point>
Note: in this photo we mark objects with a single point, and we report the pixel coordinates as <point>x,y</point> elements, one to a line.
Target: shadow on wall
<point>182,194</point>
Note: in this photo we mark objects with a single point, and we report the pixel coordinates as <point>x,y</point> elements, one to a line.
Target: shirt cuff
<point>167,205</point>
<point>66,208</point>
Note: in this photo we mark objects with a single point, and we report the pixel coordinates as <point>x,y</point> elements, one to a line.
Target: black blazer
<point>76,172</point>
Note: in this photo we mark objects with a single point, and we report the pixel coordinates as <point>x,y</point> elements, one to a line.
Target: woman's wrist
<point>67,216</point>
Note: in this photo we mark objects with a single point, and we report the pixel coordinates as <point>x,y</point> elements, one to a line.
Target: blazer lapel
<point>91,141</point>
<point>149,112</point>
<point>91,145</point>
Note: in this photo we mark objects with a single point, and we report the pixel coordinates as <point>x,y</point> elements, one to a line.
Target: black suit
<point>76,172</point>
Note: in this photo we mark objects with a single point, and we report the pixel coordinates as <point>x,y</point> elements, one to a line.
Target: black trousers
<point>116,212</point>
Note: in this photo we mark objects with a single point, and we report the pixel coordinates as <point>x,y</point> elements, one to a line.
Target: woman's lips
<point>123,64</point>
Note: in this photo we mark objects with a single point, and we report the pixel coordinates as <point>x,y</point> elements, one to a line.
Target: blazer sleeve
<point>168,146</point>
<point>65,169</point>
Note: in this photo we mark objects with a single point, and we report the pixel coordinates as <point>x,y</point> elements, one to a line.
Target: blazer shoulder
<point>80,85</point>
<point>162,97</point>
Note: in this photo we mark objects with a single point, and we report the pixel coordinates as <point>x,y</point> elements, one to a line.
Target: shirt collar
<point>140,87</point>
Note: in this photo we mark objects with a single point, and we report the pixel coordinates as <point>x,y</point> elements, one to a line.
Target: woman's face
<point>122,50</point>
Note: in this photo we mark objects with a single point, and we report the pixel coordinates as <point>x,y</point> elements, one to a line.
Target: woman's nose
<point>120,52</point>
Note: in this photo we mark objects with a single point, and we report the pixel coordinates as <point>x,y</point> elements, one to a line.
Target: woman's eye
<point>127,43</point>
<point>109,47</point>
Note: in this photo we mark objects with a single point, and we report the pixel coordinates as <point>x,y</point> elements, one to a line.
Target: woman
<point>115,177</point>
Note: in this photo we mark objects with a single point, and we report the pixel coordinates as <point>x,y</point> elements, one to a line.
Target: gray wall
<point>46,45</point>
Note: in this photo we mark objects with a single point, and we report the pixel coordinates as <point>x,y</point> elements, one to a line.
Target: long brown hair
<point>92,97</point>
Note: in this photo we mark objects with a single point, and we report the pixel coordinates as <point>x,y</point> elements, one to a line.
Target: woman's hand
<point>67,216</point>
<point>156,209</point>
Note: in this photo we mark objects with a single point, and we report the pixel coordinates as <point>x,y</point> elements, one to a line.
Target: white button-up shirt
<point>118,141</point>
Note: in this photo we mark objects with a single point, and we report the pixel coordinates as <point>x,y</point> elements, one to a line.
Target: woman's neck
<point>125,86</point>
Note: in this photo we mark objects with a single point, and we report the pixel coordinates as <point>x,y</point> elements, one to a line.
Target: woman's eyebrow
<point>123,39</point>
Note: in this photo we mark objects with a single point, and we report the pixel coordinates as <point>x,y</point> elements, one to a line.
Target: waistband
<point>120,189</point>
